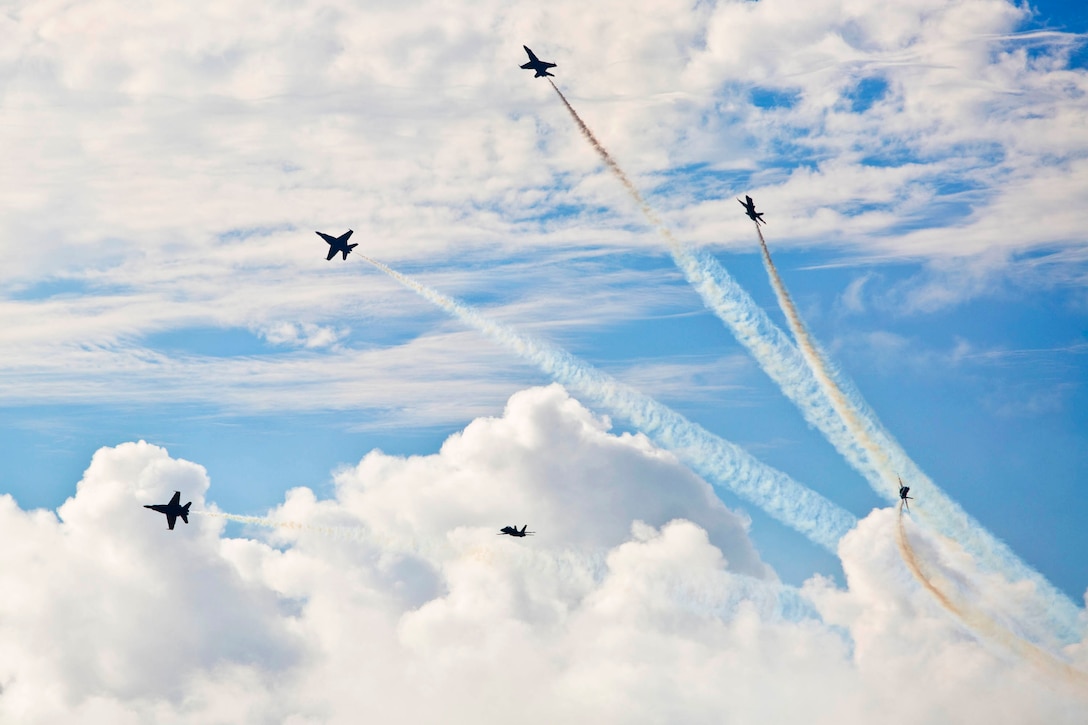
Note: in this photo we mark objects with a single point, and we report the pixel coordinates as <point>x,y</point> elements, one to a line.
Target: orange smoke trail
<point>878,457</point>
<point>981,623</point>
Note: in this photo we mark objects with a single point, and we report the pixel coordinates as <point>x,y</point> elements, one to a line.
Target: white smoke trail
<point>840,416</point>
<point>718,461</point>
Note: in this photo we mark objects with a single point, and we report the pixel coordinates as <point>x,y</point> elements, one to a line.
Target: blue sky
<point>923,174</point>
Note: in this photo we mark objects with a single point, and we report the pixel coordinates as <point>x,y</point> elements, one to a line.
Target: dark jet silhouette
<point>750,210</point>
<point>513,531</point>
<point>172,510</point>
<point>338,244</point>
<point>903,491</point>
<point>536,64</point>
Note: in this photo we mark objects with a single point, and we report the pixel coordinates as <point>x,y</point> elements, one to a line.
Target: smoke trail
<point>718,461</point>
<point>878,458</point>
<point>885,456</point>
<point>748,322</point>
<point>848,425</point>
<point>981,623</point>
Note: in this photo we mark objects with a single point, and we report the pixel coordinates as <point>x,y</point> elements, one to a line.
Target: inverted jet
<point>536,64</point>
<point>173,510</point>
<point>903,491</point>
<point>338,244</point>
<point>750,210</point>
<point>513,531</point>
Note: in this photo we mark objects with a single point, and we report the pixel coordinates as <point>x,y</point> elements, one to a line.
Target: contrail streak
<point>981,623</point>
<point>716,460</point>
<point>846,423</point>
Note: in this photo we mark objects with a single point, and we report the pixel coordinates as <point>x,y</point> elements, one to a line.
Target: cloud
<point>640,600</point>
<point>304,334</point>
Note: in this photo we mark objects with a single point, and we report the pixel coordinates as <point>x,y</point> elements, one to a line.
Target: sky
<point>169,322</point>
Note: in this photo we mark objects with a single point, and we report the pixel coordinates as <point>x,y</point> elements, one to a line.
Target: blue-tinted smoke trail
<point>850,427</point>
<point>716,460</point>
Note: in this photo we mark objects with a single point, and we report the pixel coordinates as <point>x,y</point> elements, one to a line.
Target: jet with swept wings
<point>750,210</point>
<point>536,64</point>
<point>173,510</point>
<point>338,244</point>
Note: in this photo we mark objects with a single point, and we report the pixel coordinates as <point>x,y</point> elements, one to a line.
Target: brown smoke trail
<point>878,457</point>
<point>618,172</point>
<point>981,623</point>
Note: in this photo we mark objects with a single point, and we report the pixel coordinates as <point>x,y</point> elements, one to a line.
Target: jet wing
<point>171,519</point>
<point>176,500</point>
<point>332,253</point>
<point>328,238</point>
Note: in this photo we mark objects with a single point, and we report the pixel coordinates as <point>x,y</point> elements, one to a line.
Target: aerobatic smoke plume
<point>1058,616</point>
<point>718,461</point>
<point>978,621</point>
<point>853,430</point>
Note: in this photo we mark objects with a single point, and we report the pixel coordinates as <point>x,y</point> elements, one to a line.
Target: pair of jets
<point>174,511</point>
<point>340,243</point>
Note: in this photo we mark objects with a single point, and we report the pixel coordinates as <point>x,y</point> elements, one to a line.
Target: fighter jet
<point>903,491</point>
<point>750,210</point>
<point>338,244</point>
<point>513,531</point>
<point>537,65</point>
<point>172,510</point>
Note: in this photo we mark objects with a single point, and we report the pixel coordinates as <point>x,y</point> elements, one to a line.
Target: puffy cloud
<point>394,600</point>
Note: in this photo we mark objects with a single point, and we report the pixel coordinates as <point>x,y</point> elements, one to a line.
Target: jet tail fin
<point>185,513</point>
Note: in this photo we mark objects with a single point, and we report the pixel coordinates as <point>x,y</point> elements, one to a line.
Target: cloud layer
<point>639,600</point>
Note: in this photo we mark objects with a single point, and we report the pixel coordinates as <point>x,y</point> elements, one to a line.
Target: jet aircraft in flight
<point>535,64</point>
<point>172,510</point>
<point>513,531</point>
<point>903,491</point>
<point>338,244</point>
<point>750,210</point>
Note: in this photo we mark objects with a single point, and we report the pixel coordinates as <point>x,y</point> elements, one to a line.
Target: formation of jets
<point>174,509</point>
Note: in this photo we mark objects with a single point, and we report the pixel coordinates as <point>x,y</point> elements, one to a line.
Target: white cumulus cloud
<point>640,600</point>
